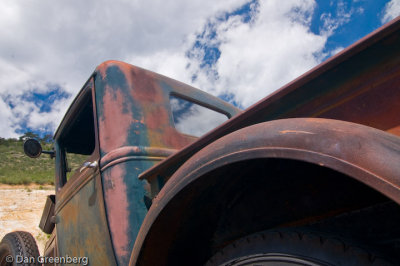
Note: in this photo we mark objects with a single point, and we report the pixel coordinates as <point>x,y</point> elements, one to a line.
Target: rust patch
<point>395,131</point>
<point>118,120</point>
<point>117,208</point>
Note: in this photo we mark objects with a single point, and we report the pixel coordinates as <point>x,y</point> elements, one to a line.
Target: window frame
<point>194,102</point>
<point>68,120</point>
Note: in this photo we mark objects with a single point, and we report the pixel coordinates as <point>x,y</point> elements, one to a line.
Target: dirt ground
<point>21,208</point>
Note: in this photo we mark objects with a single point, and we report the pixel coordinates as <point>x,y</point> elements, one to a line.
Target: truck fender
<point>362,153</point>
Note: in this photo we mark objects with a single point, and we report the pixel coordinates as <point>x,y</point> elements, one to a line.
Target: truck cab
<point>123,121</point>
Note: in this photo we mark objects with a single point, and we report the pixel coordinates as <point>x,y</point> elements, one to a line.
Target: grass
<point>18,169</point>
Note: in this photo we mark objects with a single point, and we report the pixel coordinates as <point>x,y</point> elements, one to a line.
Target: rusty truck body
<point>309,174</point>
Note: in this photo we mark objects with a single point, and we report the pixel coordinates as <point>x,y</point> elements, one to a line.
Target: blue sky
<point>364,17</point>
<point>238,50</point>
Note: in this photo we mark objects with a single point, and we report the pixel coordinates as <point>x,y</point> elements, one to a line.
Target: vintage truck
<point>309,175</point>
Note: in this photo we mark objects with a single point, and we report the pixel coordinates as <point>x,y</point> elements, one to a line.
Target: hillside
<point>17,168</point>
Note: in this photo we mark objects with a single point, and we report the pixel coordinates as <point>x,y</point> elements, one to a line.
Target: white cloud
<point>43,121</point>
<point>392,10</point>
<point>259,57</point>
<point>7,128</point>
<point>61,42</point>
<point>169,63</point>
<point>342,16</point>
<point>336,50</point>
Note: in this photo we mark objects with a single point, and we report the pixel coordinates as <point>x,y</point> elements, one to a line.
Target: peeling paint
<point>296,132</point>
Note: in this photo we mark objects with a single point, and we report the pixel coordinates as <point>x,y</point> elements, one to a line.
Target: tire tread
<point>22,244</point>
<point>347,249</point>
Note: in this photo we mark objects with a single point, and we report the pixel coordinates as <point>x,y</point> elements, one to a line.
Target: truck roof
<point>183,90</point>
<point>359,84</point>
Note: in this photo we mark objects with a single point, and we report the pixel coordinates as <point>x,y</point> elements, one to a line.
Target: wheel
<point>18,248</point>
<point>294,248</point>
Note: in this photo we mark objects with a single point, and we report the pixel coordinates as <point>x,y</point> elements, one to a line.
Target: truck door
<point>82,231</point>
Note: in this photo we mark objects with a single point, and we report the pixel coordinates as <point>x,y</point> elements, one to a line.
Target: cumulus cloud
<point>7,127</point>
<point>240,55</point>
<point>61,43</point>
<point>259,56</point>
<point>342,16</point>
<point>392,10</point>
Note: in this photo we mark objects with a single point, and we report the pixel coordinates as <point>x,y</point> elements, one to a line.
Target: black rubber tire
<point>289,247</point>
<point>21,245</point>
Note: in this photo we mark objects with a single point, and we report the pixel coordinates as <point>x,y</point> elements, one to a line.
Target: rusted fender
<point>364,153</point>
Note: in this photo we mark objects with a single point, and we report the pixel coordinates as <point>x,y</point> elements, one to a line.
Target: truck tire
<point>294,248</point>
<point>18,248</point>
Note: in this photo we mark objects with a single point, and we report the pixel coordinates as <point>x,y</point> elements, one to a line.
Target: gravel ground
<point>21,208</point>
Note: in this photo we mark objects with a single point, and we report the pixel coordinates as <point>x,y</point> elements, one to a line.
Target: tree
<point>29,135</point>
<point>48,138</point>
